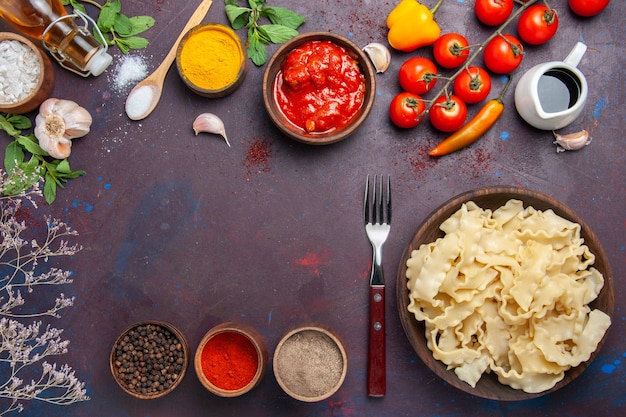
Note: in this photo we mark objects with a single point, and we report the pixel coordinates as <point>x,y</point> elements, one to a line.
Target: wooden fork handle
<point>376,370</point>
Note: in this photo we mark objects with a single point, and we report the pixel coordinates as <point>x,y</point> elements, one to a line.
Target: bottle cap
<point>99,62</point>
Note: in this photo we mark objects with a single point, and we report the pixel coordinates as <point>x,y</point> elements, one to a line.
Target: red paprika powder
<point>229,361</point>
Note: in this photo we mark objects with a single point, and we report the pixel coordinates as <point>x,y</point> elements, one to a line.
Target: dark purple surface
<point>184,229</point>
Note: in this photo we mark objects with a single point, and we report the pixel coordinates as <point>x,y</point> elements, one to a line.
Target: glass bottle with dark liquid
<point>47,20</point>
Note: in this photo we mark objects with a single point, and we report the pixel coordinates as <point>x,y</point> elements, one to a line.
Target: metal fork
<point>377,213</point>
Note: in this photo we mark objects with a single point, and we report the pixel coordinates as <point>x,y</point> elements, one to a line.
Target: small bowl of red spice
<point>318,88</point>
<point>310,363</point>
<point>231,359</point>
<point>149,359</point>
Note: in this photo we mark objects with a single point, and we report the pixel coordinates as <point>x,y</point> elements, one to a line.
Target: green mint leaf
<point>132,42</point>
<point>237,16</point>
<point>63,171</point>
<point>19,122</point>
<point>256,4</point>
<point>283,16</point>
<point>122,25</point>
<point>120,44</point>
<point>256,50</point>
<point>107,16</point>
<point>140,24</point>
<point>50,189</point>
<point>8,126</point>
<point>115,5</point>
<point>64,167</point>
<point>277,33</point>
<point>31,146</point>
<point>76,5</point>
<point>72,175</point>
<point>13,156</point>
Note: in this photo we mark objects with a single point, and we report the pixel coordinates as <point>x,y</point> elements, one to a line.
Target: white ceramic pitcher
<point>552,95</point>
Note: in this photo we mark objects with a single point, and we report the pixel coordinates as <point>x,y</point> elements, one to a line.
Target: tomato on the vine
<point>406,110</point>
<point>503,54</point>
<point>472,85</point>
<point>493,12</point>
<point>451,50</point>
<point>448,113</point>
<point>537,24</point>
<point>418,75</point>
<point>587,8</point>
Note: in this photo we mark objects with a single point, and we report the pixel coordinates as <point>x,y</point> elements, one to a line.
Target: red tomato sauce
<point>320,87</point>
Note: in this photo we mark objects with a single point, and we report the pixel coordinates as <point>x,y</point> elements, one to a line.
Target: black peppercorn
<point>143,359</point>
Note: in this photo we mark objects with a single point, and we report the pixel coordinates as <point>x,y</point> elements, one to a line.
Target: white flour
<point>19,71</point>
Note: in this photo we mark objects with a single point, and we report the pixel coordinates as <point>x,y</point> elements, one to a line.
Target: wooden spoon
<point>145,96</point>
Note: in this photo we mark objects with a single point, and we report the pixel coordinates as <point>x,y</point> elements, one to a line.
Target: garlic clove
<point>59,148</point>
<point>379,55</point>
<point>77,123</point>
<point>571,141</point>
<point>57,122</point>
<point>210,123</point>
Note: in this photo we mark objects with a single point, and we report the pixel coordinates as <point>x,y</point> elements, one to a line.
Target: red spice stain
<point>340,408</point>
<point>258,155</point>
<point>480,162</point>
<point>311,261</point>
<point>421,161</point>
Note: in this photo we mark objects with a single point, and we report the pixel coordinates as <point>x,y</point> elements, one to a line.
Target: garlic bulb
<point>210,123</point>
<point>379,55</point>
<point>58,122</point>
<point>572,141</point>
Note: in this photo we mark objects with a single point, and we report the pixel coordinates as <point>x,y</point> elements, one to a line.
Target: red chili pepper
<point>475,128</point>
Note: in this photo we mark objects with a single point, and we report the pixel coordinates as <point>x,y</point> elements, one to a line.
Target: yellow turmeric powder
<point>211,58</point>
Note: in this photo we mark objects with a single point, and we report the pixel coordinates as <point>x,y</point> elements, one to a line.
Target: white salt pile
<point>130,69</point>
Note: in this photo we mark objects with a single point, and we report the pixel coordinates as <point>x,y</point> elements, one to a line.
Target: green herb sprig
<point>117,28</point>
<point>282,27</point>
<point>23,172</point>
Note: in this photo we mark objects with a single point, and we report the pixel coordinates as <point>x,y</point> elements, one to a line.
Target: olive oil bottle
<point>47,20</point>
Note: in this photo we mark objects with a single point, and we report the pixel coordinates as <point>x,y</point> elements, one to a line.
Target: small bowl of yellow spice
<point>211,60</point>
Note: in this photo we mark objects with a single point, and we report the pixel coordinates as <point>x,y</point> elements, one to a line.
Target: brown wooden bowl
<point>303,346</point>
<point>239,53</point>
<point>255,340</point>
<point>492,198</point>
<point>179,369</point>
<point>44,86</point>
<point>295,132</point>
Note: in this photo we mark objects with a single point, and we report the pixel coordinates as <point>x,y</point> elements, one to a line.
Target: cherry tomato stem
<point>480,49</point>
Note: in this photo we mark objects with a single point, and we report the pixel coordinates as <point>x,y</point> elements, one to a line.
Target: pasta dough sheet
<point>508,291</point>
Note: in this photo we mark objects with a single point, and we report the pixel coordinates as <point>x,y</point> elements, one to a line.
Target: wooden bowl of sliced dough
<point>492,198</point>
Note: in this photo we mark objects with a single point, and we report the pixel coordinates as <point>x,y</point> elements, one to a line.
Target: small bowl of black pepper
<point>149,359</point>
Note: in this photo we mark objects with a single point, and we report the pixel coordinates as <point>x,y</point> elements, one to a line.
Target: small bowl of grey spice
<point>310,363</point>
<point>26,76</point>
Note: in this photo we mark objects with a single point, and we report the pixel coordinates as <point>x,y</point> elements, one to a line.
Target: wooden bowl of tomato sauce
<point>318,88</point>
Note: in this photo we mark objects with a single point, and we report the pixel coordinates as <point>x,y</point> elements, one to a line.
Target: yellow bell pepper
<point>412,25</point>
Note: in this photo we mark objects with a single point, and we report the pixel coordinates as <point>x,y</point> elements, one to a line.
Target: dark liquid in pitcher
<point>558,89</point>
